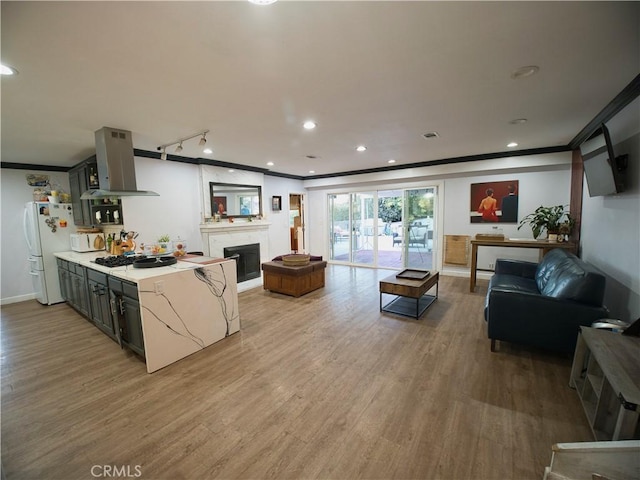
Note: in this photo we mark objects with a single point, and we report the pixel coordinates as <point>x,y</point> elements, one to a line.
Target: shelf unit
<point>106,212</point>
<point>606,376</point>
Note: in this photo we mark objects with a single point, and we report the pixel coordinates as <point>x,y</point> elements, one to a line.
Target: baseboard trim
<point>17,299</point>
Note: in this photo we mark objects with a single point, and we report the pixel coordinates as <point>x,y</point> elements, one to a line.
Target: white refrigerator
<point>47,229</point>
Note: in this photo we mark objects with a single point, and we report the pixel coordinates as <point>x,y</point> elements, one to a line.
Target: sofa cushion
<point>513,283</point>
<point>510,283</point>
<point>576,281</point>
<point>549,263</point>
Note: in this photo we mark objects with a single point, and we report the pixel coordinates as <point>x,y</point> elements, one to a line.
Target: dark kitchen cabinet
<point>79,287</point>
<point>73,285</point>
<point>110,303</point>
<point>125,309</point>
<point>79,182</point>
<point>100,302</point>
<point>108,211</point>
<point>63,277</point>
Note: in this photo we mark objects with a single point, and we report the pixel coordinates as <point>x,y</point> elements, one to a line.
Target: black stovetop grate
<point>116,260</point>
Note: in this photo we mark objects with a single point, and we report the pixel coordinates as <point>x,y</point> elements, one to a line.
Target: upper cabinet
<point>78,184</point>
<point>83,177</point>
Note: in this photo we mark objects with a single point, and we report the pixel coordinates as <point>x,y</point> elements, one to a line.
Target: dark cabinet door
<point>100,307</point>
<point>79,297</point>
<point>78,184</point>
<point>75,188</point>
<point>63,277</point>
<point>126,314</point>
<point>131,329</point>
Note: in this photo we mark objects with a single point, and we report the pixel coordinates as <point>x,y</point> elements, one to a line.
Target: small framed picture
<point>276,203</point>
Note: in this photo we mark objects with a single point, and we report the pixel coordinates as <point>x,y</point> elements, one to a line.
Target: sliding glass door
<point>364,231</point>
<point>390,238</point>
<point>339,227</point>
<point>385,229</point>
<point>418,227</point>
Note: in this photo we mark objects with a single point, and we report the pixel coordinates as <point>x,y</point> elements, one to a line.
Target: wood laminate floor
<point>323,386</point>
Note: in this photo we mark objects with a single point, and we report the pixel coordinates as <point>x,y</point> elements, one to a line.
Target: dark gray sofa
<point>543,304</point>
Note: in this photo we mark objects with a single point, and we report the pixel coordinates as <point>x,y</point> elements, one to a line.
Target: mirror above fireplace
<point>235,200</point>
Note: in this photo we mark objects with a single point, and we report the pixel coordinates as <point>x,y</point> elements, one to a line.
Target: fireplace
<point>247,260</point>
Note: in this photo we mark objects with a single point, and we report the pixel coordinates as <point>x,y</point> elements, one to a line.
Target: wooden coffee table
<point>411,299</point>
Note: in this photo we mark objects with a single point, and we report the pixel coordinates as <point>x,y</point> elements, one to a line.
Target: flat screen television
<point>601,168</point>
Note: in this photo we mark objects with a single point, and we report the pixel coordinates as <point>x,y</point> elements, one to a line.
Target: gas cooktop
<point>116,260</point>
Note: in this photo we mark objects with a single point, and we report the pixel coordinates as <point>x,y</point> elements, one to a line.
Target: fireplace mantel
<point>236,226</point>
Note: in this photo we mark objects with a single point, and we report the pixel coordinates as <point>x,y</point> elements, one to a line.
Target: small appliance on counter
<point>87,242</point>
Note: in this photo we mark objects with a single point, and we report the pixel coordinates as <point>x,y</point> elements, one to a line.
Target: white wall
<point>279,228</point>
<point>15,281</point>
<point>176,212</point>
<point>224,175</point>
<point>610,236</point>
<point>555,190</point>
<point>279,234</point>
<point>544,179</point>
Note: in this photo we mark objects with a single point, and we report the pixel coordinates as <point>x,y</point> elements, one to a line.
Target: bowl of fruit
<point>158,249</point>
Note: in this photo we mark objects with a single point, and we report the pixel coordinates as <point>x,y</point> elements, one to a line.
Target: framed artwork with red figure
<point>219,206</point>
<point>494,202</point>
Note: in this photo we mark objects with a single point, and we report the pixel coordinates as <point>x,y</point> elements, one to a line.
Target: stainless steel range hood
<point>116,168</point>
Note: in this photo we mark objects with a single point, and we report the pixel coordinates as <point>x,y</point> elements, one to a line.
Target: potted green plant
<point>549,218</point>
<point>165,245</point>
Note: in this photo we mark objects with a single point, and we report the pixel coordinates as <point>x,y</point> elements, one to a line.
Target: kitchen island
<point>182,308</point>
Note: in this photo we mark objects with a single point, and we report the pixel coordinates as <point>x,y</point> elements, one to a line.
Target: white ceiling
<point>373,73</point>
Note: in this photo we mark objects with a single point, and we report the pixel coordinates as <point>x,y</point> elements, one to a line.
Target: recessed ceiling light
<point>7,70</point>
<point>429,135</point>
<point>518,121</point>
<point>391,161</point>
<point>262,2</point>
<point>309,125</point>
<point>312,171</point>
<point>208,151</point>
<point>270,164</point>
<point>231,170</point>
<point>361,148</point>
<point>524,72</point>
<point>512,144</point>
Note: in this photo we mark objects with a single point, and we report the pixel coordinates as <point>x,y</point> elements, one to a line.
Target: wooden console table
<point>606,375</point>
<point>543,245</point>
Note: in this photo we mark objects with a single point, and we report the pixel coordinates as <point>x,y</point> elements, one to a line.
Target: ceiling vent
<point>429,135</point>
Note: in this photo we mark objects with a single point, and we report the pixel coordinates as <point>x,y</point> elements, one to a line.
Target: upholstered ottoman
<point>296,280</point>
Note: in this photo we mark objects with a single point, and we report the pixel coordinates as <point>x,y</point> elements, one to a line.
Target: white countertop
<point>128,272</point>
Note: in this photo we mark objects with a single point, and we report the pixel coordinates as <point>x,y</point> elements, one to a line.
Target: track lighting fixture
<point>179,148</point>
